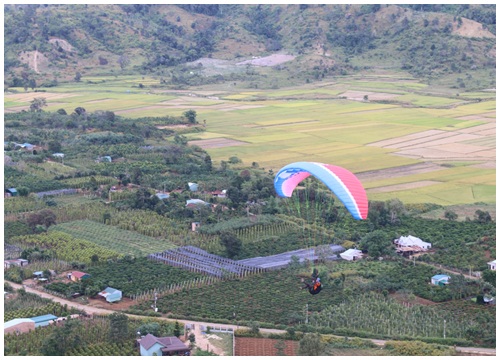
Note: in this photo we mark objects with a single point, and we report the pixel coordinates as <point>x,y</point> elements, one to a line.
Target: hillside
<point>450,45</point>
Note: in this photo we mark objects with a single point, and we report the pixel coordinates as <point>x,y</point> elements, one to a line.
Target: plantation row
<point>23,301</point>
<point>94,338</point>
<point>18,204</point>
<point>105,349</point>
<point>51,308</point>
<point>139,275</point>
<point>111,237</point>
<point>276,297</point>
<point>66,247</point>
<point>273,297</point>
<point>86,181</point>
<point>373,313</point>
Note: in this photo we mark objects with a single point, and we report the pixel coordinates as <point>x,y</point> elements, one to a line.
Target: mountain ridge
<point>326,40</point>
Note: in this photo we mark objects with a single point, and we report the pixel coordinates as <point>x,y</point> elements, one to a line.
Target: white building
<point>351,254</point>
<point>493,265</point>
<point>409,240</point>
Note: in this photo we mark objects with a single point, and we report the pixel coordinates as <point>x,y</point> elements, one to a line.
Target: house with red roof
<point>78,276</point>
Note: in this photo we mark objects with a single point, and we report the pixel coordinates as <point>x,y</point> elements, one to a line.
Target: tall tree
<point>231,243</point>
<point>311,345</point>
<point>191,116</point>
<point>62,339</point>
<point>375,243</point>
<point>118,327</point>
<point>37,104</point>
<point>123,61</point>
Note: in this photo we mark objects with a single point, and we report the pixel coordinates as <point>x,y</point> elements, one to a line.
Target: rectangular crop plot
<point>216,143</point>
<point>121,241</point>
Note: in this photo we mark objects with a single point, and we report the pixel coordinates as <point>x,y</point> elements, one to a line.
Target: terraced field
<point>380,126</point>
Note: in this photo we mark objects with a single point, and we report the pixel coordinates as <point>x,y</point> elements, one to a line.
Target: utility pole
<point>154,306</point>
<point>444,329</point>
<point>307,313</point>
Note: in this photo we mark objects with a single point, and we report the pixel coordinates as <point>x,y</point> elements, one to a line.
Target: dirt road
<point>201,339</point>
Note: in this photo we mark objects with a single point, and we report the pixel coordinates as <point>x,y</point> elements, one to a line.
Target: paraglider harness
<point>315,287</point>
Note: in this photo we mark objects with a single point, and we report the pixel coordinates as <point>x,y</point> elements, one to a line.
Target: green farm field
<point>328,122</point>
<point>119,240</point>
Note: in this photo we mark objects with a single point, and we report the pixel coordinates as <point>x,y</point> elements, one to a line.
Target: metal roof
<point>440,276</point>
<point>42,318</point>
<point>14,322</point>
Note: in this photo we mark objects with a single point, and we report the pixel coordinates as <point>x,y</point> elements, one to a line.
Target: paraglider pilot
<point>315,287</point>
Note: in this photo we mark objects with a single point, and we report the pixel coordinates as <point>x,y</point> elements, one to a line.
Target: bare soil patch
<point>471,28</point>
<point>216,143</point>
<point>28,96</point>
<point>35,60</point>
<point>101,303</point>
<point>16,109</point>
<point>415,300</point>
<point>271,60</point>
<point>62,43</point>
<point>263,347</point>
<point>179,126</point>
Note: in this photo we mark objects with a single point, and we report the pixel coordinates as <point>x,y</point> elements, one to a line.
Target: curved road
<point>93,310</point>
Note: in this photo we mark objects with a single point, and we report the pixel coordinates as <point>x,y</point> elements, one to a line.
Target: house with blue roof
<point>12,191</point>
<point>43,320</point>
<point>440,280</point>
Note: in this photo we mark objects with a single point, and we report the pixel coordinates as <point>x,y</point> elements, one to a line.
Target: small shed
<point>12,191</point>
<point>26,146</point>
<point>193,186</point>
<point>78,275</point>
<point>219,193</point>
<point>493,265</point>
<point>196,203</point>
<point>38,274</point>
<point>111,295</point>
<point>407,241</point>
<point>440,280</point>
<point>21,325</point>
<point>351,254</point>
<point>15,262</point>
<point>162,196</point>
<point>43,320</point>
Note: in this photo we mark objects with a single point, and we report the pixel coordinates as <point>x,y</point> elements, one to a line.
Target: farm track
<point>94,310</point>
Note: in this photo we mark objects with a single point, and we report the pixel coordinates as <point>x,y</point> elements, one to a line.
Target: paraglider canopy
<point>340,181</point>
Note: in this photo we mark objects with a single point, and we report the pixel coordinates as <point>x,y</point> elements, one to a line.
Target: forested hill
<point>448,44</point>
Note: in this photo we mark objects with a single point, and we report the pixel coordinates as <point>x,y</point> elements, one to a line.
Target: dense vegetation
<point>115,166</point>
<point>274,299</point>
<point>161,39</point>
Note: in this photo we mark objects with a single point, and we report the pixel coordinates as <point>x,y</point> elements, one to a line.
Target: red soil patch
<point>414,301</point>
<point>262,347</point>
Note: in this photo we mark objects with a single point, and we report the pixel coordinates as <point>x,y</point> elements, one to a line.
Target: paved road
<point>93,310</point>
